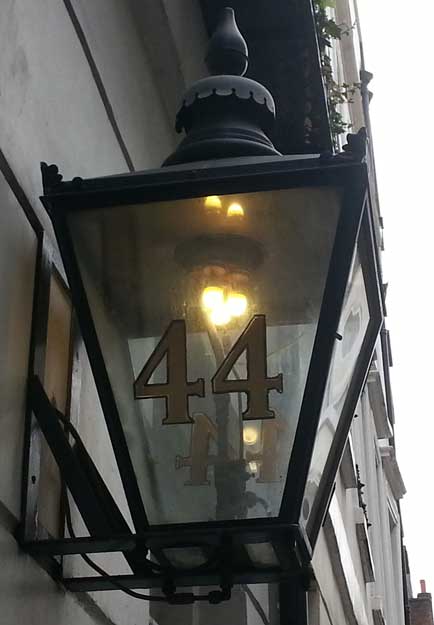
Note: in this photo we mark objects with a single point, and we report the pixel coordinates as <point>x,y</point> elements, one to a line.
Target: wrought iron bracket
<point>225,542</point>
<point>354,150</point>
<point>291,555</point>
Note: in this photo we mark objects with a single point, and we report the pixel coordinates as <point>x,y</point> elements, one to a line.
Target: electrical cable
<point>259,609</point>
<point>76,436</point>
<point>100,570</point>
<point>214,596</point>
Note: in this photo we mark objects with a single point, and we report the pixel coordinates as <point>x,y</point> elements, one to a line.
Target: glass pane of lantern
<point>353,325</point>
<point>56,382</point>
<point>212,264</point>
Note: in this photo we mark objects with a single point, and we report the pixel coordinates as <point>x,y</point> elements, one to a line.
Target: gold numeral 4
<point>177,389</point>
<point>257,385</point>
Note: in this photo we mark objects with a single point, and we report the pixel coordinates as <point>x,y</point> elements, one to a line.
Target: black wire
<point>76,436</point>
<point>259,609</point>
<point>118,585</point>
<point>100,570</point>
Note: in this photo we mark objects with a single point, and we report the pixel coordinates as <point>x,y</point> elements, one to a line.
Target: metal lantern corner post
<point>229,307</point>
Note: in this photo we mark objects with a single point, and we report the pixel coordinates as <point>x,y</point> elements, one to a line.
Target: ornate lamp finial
<point>227,49</point>
<point>225,115</point>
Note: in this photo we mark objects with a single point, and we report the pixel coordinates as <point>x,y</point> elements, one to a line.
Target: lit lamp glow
<point>213,203</point>
<point>235,210</point>
<point>220,315</point>
<point>253,466</point>
<point>221,309</point>
<point>212,298</point>
<point>237,304</point>
<point>250,436</point>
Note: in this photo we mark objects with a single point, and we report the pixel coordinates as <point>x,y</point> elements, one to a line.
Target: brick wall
<point>421,608</point>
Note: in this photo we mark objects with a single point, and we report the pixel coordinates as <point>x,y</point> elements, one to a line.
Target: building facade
<point>420,607</point>
<point>95,87</point>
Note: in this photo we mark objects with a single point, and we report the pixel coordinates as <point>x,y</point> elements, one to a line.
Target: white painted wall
<point>128,78</point>
<point>18,249</point>
<point>28,596</point>
<point>339,574</point>
<point>51,110</point>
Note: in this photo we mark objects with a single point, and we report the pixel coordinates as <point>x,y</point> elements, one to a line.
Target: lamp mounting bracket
<point>354,150</point>
<point>225,543</point>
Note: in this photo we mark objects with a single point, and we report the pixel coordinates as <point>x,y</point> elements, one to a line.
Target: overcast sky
<point>398,39</point>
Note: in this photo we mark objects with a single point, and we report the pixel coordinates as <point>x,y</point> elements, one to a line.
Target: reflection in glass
<point>185,557</point>
<point>352,330</point>
<point>262,554</point>
<point>144,266</point>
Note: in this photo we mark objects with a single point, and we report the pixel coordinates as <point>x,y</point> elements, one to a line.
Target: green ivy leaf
<point>332,29</point>
<point>337,94</point>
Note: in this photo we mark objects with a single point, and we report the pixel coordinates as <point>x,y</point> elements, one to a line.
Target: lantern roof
<point>227,61</point>
<point>225,114</point>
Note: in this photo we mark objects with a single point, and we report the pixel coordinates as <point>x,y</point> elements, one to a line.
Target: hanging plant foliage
<point>337,93</point>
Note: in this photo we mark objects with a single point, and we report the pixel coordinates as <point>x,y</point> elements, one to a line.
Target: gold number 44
<point>177,389</point>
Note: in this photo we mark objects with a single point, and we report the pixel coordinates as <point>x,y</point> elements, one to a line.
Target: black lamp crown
<point>226,115</point>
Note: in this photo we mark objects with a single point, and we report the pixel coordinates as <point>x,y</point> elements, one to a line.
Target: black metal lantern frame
<point>368,259</point>
<point>225,542</point>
